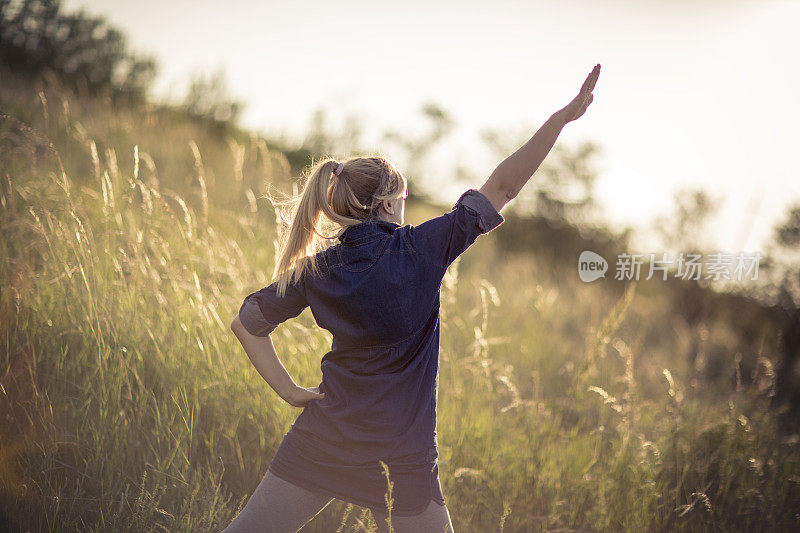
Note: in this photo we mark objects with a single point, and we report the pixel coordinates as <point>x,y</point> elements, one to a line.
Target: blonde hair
<point>331,202</point>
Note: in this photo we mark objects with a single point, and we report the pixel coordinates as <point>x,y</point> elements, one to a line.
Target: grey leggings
<point>278,506</point>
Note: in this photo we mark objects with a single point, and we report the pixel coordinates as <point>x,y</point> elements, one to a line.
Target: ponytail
<point>344,200</point>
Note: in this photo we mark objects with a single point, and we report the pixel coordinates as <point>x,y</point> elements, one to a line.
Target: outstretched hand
<point>302,396</point>
<point>578,105</point>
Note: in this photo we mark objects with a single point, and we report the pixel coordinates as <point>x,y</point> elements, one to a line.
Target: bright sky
<point>691,93</point>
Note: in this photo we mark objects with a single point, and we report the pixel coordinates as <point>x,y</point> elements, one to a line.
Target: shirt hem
<point>286,476</point>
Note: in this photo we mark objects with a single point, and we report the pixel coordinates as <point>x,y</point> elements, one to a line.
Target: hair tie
<point>339,169</point>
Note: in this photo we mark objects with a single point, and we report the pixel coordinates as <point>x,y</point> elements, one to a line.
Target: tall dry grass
<point>130,237</point>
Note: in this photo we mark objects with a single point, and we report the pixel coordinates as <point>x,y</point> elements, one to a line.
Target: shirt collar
<point>366,229</point>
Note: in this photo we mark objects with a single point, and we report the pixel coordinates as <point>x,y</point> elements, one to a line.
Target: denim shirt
<point>378,295</point>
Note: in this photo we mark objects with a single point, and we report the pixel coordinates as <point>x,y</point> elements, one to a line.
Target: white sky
<point>691,93</point>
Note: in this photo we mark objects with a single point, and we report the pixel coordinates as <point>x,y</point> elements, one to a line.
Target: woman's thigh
<point>278,506</point>
<point>434,519</point>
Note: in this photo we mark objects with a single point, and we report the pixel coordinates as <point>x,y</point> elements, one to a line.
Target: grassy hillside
<point>130,237</point>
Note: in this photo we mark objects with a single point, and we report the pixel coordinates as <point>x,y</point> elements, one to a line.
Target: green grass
<point>128,405</point>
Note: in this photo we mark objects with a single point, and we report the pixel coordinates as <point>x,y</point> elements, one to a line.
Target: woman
<point>376,289</point>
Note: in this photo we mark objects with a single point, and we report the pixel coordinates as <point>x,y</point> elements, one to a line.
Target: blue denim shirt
<point>378,295</point>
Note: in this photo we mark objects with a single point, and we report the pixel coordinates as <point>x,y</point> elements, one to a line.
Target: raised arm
<point>514,172</point>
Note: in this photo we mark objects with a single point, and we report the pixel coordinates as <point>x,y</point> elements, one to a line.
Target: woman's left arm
<point>262,354</point>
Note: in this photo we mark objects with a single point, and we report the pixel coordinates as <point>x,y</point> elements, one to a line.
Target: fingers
<point>591,79</point>
<point>585,86</point>
<point>595,74</point>
<point>317,394</point>
<point>305,395</point>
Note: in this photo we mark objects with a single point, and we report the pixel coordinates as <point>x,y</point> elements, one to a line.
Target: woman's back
<point>377,292</point>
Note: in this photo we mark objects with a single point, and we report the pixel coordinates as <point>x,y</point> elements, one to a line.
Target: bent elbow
<point>498,193</point>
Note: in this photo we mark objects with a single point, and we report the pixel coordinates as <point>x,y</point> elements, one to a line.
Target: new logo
<point>591,266</point>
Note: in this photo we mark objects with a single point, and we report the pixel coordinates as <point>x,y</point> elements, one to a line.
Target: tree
<point>787,237</point>
<point>321,141</point>
<point>83,50</point>
<point>418,148</point>
<point>683,229</point>
<point>208,97</point>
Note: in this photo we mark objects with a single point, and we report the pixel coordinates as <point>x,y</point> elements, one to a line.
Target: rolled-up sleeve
<point>442,239</point>
<point>262,311</point>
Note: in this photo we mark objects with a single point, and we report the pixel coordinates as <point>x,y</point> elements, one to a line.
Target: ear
<point>388,206</point>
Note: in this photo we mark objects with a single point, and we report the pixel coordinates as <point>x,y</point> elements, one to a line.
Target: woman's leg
<point>434,519</point>
<point>278,506</point>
